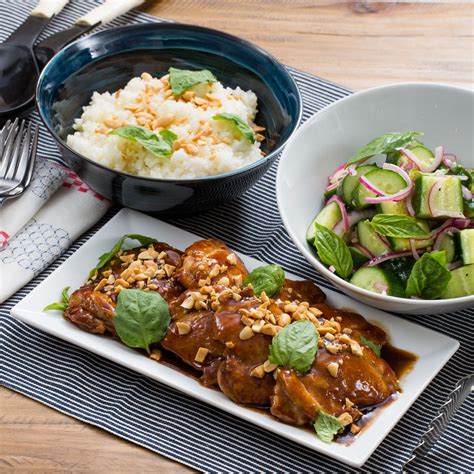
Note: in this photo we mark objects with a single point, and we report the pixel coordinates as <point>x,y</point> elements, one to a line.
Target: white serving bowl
<point>444,113</point>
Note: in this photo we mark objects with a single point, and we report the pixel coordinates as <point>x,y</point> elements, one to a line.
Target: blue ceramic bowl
<point>106,61</point>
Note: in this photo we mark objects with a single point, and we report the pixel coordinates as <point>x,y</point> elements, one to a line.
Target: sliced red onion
<point>439,238</point>
<point>462,223</point>
<point>381,286</point>
<point>351,169</point>
<point>342,207</point>
<point>370,186</point>
<point>422,165</point>
<point>356,216</point>
<point>466,193</point>
<point>449,160</point>
<point>332,186</point>
<point>400,195</point>
<point>385,257</point>
<point>331,269</point>
<point>363,250</point>
<point>409,204</point>
<point>454,265</point>
<point>437,231</point>
<point>413,250</point>
<point>383,239</point>
<point>338,174</point>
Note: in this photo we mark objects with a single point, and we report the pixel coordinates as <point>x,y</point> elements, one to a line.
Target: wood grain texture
<point>358,44</point>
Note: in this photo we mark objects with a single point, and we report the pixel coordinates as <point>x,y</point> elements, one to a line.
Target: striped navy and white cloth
<point>145,412</point>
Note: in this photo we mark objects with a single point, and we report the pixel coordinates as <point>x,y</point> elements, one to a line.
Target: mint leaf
<point>160,144</point>
<point>397,225</point>
<point>182,80</point>
<point>295,346</point>
<point>375,347</point>
<point>60,305</point>
<point>332,250</point>
<point>269,278</point>
<point>141,318</point>
<point>384,144</point>
<point>239,124</point>
<point>105,258</point>
<point>326,427</point>
<point>429,276</point>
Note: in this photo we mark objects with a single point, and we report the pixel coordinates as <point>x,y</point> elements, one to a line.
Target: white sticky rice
<point>219,150</point>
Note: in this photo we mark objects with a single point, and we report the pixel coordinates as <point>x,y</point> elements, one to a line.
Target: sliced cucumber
<point>387,181</point>
<point>400,244</point>
<point>449,246</point>
<point>401,267</point>
<point>398,158</point>
<point>469,208</point>
<point>329,216</point>
<point>379,281</point>
<point>358,258</point>
<point>391,207</point>
<point>348,184</point>
<point>433,193</point>
<point>329,194</point>
<point>461,283</point>
<point>466,245</point>
<point>372,241</point>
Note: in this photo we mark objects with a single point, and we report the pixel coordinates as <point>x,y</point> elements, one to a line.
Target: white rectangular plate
<point>432,348</point>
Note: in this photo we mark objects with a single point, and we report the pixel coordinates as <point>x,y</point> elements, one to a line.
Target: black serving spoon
<point>47,48</point>
<point>18,66</point>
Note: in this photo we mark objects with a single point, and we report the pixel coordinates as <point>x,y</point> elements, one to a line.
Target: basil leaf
<point>397,225</point>
<point>141,318</point>
<point>332,250</point>
<point>160,144</point>
<point>326,427</point>
<point>384,144</point>
<point>239,124</point>
<point>375,347</point>
<point>269,278</point>
<point>105,258</point>
<point>459,170</point>
<point>60,305</point>
<point>295,346</point>
<point>182,80</point>
<point>429,276</point>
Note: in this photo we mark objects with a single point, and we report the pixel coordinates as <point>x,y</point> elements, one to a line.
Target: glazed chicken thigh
<point>224,331</point>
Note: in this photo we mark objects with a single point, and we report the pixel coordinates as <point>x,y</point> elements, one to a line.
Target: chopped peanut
<point>183,328</point>
<point>258,372</point>
<point>201,355</point>
<point>333,369</point>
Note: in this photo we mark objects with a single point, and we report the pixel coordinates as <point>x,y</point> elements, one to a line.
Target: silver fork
<point>439,423</point>
<point>17,154</point>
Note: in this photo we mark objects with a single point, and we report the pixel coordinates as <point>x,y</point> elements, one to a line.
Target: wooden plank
<point>34,437</point>
<point>346,42</point>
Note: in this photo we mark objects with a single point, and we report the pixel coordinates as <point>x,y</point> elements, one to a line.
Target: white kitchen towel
<point>39,226</point>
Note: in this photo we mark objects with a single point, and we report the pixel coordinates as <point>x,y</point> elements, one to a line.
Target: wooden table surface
<point>358,44</point>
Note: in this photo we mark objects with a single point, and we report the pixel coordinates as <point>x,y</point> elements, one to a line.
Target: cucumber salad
<point>404,228</point>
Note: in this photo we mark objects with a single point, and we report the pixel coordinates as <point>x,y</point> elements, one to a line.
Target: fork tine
<point>32,160</point>
<point>6,152</point>
<point>15,152</point>
<point>3,135</point>
<point>22,167</point>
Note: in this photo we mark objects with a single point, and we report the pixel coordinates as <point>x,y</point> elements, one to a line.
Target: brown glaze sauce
<point>401,362</point>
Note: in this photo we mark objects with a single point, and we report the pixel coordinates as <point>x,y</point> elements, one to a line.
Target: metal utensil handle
<point>439,423</point>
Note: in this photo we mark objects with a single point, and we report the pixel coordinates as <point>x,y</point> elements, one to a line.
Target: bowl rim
<point>166,26</point>
<point>310,257</point>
